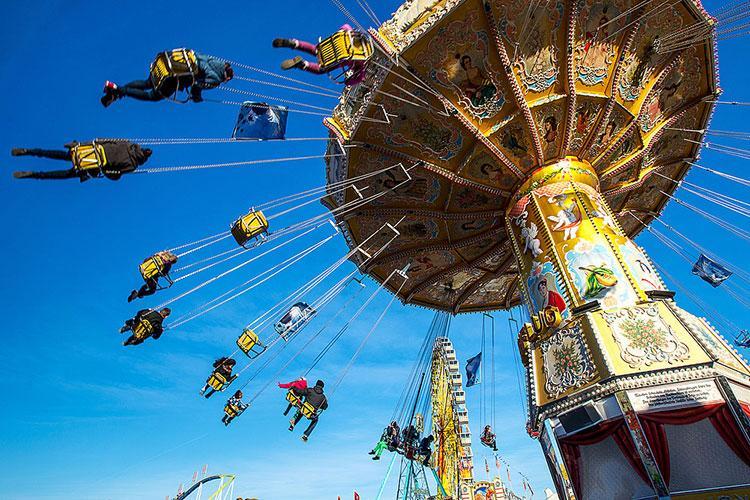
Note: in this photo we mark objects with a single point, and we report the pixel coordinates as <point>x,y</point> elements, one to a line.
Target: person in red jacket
<point>298,387</point>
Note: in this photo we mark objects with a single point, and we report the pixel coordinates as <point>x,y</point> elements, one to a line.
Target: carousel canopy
<point>473,96</point>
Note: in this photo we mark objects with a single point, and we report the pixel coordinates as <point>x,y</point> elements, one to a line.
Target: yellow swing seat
<point>343,46</point>
<point>219,382</point>
<point>89,159</point>
<point>252,225</point>
<point>173,70</point>
<point>307,410</point>
<point>233,411</point>
<point>153,267</point>
<point>143,329</point>
<point>250,344</point>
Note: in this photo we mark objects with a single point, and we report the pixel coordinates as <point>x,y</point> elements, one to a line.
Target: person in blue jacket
<point>211,73</point>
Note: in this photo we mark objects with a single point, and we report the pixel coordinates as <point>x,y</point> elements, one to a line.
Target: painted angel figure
<point>568,218</point>
<point>532,243</point>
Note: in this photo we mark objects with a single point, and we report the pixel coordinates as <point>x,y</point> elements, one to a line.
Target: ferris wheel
<point>450,421</point>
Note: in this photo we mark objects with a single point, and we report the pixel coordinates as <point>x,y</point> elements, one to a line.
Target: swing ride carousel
<point>504,154</point>
<point>518,148</point>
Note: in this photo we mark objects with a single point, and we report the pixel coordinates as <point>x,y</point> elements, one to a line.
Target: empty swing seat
<point>89,159</point>
<point>173,70</point>
<point>250,226</point>
<point>343,46</point>
<point>249,343</point>
<point>153,267</point>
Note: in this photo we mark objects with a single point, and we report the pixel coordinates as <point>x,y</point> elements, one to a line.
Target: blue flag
<point>743,339</point>
<point>472,370</point>
<point>711,271</point>
<point>260,121</point>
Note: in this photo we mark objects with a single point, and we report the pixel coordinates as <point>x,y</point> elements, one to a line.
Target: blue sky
<point>83,417</point>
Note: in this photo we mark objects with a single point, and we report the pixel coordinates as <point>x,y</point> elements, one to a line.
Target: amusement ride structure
<point>500,154</point>
<point>538,139</point>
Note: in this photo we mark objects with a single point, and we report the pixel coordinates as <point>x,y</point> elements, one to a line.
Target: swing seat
<point>219,382</point>
<point>89,159</point>
<point>294,320</point>
<point>249,343</point>
<point>153,267</point>
<point>250,226</point>
<point>306,409</point>
<point>233,411</point>
<point>343,46</point>
<point>173,70</point>
<point>143,329</point>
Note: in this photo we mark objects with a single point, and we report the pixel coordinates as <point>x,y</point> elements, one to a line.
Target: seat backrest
<point>89,158</point>
<point>152,267</point>
<point>247,340</point>
<point>143,329</point>
<point>293,398</point>
<point>335,49</point>
<point>307,409</point>
<point>173,70</point>
<point>217,381</point>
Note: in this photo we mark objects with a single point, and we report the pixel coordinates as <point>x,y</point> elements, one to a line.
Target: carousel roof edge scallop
<point>469,97</point>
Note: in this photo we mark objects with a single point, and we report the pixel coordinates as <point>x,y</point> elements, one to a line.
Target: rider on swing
<point>488,438</point>
<point>355,69</point>
<point>166,259</point>
<point>211,72</point>
<point>122,157</point>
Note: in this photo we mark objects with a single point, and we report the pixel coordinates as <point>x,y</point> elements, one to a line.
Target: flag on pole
<point>472,370</point>
<point>711,271</point>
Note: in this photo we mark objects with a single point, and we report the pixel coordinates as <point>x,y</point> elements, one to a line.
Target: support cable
<point>283,266</point>
<point>235,268</point>
<point>374,327</point>
<point>160,170</point>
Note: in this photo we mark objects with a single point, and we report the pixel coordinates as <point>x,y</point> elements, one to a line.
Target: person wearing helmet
<point>155,320</point>
<point>122,157</point>
<point>298,387</point>
<point>235,403</point>
<point>316,398</point>
<point>356,70</point>
<point>211,72</point>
